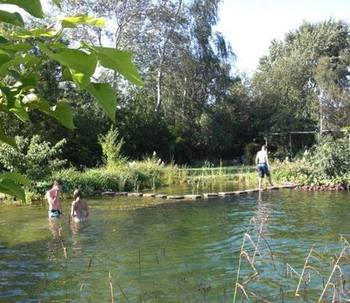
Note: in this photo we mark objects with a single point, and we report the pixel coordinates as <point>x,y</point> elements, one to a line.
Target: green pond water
<point>146,250</point>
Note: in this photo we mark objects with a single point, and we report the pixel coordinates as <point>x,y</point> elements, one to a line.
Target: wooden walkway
<point>195,197</point>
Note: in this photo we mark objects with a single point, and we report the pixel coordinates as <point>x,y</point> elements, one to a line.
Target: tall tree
<point>304,79</point>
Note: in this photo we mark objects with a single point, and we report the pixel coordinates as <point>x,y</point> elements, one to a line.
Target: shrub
<point>34,158</point>
<point>330,158</point>
<point>111,148</point>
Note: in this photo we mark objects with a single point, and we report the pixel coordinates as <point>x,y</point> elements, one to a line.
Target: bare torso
<point>53,199</point>
<point>80,209</point>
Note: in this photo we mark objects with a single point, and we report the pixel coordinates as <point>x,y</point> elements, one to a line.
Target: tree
<point>186,68</point>
<point>304,79</point>
<point>23,51</point>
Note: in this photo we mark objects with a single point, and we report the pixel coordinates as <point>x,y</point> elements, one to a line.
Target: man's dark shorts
<point>263,170</point>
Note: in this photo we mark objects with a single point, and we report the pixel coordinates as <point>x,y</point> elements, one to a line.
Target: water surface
<point>145,250</point>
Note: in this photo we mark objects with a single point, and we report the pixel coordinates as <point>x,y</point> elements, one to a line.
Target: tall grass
<point>147,174</point>
<point>319,280</point>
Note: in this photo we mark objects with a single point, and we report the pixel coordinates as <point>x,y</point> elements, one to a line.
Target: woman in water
<point>80,209</point>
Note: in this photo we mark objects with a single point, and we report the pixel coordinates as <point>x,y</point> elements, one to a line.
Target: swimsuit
<point>263,170</point>
<point>55,213</point>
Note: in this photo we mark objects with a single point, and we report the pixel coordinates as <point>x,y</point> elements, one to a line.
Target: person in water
<point>80,209</point>
<point>53,198</point>
<point>263,164</point>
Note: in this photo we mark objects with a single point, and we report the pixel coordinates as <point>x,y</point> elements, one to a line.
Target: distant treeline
<point>192,105</point>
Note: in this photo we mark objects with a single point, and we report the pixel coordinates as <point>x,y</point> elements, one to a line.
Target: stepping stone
<point>273,187</point>
<point>240,192</point>
<point>108,193</point>
<point>162,196</point>
<point>150,195</point>
<point>121,193</point>
<point>175,197</point>
<point>227,193</point>
<point>193,197</point>
<point>210,195</point>
<point>135,194</point>
<point>288,186</point>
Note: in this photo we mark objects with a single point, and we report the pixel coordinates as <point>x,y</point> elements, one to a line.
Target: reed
<point>335,267</point>
<point>111,286</point>
<point>303,271</point>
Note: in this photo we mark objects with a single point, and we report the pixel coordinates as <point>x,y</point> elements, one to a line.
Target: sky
<point>251,25</point>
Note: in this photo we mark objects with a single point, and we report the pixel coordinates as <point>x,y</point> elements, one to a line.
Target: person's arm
<point>267,160</point>
<point>257,159</point>
<point>72,210</point>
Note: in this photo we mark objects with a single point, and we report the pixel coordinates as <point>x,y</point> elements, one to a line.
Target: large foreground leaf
<point>12,188</point>
<point>82,20</point>
<point>16,177</point>
<point>119,61</point>
<point>33,7</point>
<point>62,111</point>
<point>12,18</point>
<point>105,97</point>
<point>6,139</point>
<point>34,33</point>
<point>81,65</point>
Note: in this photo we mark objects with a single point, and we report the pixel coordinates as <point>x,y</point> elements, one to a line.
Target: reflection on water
<point>165,251</point>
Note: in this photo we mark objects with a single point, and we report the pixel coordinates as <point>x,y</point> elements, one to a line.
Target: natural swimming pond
<point>158,251</point>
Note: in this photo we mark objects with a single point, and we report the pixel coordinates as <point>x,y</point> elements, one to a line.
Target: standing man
<point>262,162</point>
<point>53,198</point>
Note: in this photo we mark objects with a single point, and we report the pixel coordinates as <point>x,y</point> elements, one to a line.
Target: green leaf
<point>9,94</point>
<point>105,96</point>
<point>81,65</point>
<point>16,47</point>
<point>12,18</point>
<point>71,22</point>
<point>10,187</point>
<point>16,177</point>
<point>57,3</point>
<point>33,7</point>
<point>4,57</point>
<point>34,33</point>
<point>3,40</point>
<point>81,79</point>
<point>119,61</point>
<point>6,139</point>
<point>20,112</point>
<point>27,59</point>
<point>29,81</point>
<point>62,112</point>
<point>67,76</point>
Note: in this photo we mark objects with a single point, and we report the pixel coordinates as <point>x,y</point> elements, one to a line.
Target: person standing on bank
<point>53,198</point>
<point>263,164</point>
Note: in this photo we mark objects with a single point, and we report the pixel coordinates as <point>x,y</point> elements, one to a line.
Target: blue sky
<point>250,25</point>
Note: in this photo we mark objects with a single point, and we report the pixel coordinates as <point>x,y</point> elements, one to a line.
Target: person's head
<point>76,194</point>
<point>57,184</point>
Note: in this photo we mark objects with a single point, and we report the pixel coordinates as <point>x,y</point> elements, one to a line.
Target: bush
<point>88,181</point>
<point>327,164</point>
<point>34,158</point>
<point>111,148</point>
<point>330,158</point>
